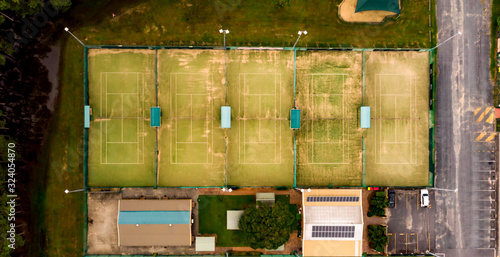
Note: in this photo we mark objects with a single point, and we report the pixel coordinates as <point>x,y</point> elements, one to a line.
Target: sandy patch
<point>347,13</point>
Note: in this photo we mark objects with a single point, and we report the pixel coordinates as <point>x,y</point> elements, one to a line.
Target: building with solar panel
<point>333,222</point>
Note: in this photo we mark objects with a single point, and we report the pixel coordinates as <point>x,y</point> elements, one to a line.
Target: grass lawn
<point>258,22</point>
<point>212,216</point>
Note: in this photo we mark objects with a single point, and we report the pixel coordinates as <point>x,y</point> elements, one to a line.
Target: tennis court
<point>329,95</point>
<point>191,148</point>
<point>260,91</point>
<point>190,93</point>
<point>397,145</point>
<point>121,142</point>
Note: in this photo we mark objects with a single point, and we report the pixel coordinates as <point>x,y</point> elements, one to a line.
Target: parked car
<point>392,198</point>
<point>424,198</point>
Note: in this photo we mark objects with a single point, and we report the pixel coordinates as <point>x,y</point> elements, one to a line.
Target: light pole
<point>300,34</point>
<point>225,58</point>
<point>67,30</point>
<point>459,33</point>
<point>72,191</point>
<point>434,254</point>
<point>443,189</point>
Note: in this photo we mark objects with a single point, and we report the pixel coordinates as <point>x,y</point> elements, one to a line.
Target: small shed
<point>233,219</point>
<point>295,119</point>
<point>205,244</point>
<point>87,113</point>
<point>265,198</point>
<point>155,116</point>
<point>225,116</point>
<point>365,117</point>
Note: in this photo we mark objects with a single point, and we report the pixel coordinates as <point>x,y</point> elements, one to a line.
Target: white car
<point>424,198</point>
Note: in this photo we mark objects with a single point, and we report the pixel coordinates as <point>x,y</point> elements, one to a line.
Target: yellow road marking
<point>483,114</point>
<point>478,138</point>
<point>491,137</point>
<point>491,118</point>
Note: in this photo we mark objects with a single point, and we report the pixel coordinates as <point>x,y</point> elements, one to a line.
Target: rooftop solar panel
<point>333,198</point>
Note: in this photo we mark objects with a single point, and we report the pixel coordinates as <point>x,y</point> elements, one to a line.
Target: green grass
<point>121,141</point>
<point>397,144</point>
<point>329,95</point>
<point>495,15</point>
<point>213,217</point>
<point>254,23</point>
<point>260,139</point>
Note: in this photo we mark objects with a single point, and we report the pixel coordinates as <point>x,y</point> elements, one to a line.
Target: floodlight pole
<point>459,33</point>
<point>222,31</point>
<point>72,191</point>
<point>443,189</point>
<point>300,34</point>
<point>67,30</point>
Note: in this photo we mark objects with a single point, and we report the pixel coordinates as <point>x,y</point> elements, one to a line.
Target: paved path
<point>464,220</point>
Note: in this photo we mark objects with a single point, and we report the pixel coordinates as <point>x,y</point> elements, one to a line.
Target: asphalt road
<point>464,221</point>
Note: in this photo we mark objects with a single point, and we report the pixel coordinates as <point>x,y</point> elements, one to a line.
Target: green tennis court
<point>397,145</point>
<point>329,142</point>
<point>189,148</point>
<point>260,91</point>
<point>191,143</point>
<point>121,141</point>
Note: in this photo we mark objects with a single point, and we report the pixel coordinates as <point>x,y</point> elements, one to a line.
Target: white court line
<point>209,108</point>
<point>121,93</point>
<point>106,159</point>
<point>241,112</point>
<point>344,115</point>
<point>122,142</point>
<point>378,134</point>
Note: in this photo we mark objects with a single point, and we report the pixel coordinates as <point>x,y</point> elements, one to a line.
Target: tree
<point>377,237</point>
<point>378,203</point>
<point>265,226</point>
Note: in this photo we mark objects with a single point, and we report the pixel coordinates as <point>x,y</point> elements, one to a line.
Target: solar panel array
<point>333,198</point>
<point>333,231</point>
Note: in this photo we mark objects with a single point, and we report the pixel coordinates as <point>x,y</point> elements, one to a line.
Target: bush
<point>281,3</point>
<point>378,203</point>
<point>377,237</point>
<point>265,226</point>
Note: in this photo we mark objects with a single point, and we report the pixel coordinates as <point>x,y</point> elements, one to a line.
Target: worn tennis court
<point>190,93</point>
<point>260,91</point>
<point>329,95</point>
<point>397,145</point>
<point>189,147</point>
<point>121,142</point>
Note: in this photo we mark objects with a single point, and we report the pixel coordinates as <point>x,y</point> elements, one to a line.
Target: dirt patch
<point>347,13</point>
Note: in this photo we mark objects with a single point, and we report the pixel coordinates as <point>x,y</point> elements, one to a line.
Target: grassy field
<point>260,22</point>
<point>329,141</point>
<point>260,140</point>
<point>397,144</point>
<point>191,142</point>
<point>213,216</point>
<point>121,141</point>
<point>495,16</point>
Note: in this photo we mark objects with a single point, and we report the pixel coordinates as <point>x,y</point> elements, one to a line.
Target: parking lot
<point>408,224</point>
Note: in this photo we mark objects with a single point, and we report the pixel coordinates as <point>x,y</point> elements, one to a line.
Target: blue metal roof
<point>86,121</point>
<point>154,217</point>
<point>225,116</point>
<point>155,116</point>
<point>295,118</point>
<point>365,117</point>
